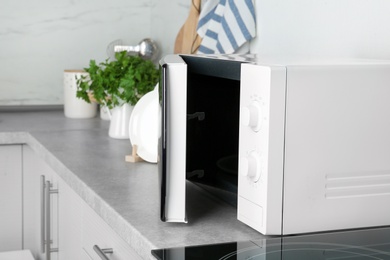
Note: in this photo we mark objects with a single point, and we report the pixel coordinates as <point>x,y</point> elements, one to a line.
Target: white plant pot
<point>119,124</point>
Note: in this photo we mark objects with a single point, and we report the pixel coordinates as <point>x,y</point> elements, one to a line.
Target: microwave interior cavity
<point>213,96</point>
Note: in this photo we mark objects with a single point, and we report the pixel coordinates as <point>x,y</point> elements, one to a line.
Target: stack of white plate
<point>144,126</point>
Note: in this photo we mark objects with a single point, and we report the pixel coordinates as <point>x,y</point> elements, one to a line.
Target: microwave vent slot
<point>360,184</point>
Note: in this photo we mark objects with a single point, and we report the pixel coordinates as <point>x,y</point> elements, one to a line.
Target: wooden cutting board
<point>187,40</point>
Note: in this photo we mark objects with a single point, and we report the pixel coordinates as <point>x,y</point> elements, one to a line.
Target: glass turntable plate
<point>357,245</point>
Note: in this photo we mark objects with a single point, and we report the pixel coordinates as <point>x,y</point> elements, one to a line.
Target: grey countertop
<point>125,195</point>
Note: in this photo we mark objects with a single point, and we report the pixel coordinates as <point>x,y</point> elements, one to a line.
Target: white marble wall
<point>167,18</point>
<point>323,29</point>
<point>41,38</point>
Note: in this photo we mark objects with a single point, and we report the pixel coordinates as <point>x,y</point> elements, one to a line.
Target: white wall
<point>323,28</point>
<point>168,16</point>
<point>41,38</point>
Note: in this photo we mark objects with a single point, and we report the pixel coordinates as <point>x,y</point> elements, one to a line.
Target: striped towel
<point>225,25</point>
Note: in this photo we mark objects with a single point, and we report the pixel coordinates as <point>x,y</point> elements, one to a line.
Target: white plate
<point>143,126</point>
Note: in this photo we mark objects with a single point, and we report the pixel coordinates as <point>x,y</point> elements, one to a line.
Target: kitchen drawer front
<point>97,232</point>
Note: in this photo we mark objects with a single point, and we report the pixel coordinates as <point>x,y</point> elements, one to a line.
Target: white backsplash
<point>41,38</point>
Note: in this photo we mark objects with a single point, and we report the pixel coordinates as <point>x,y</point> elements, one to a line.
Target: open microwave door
<point>172,138</point>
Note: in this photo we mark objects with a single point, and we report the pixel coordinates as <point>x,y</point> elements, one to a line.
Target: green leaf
<point>125,79</point>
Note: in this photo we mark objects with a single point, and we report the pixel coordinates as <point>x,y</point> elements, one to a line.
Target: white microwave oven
<point>301,146</point>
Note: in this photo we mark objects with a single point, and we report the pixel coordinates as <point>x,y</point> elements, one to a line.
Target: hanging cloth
<point>225,25</point>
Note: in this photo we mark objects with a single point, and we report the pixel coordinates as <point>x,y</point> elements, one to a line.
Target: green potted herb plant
<point>118,84</point>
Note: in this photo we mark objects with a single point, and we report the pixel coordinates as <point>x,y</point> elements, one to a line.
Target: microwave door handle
<point>162,149</point>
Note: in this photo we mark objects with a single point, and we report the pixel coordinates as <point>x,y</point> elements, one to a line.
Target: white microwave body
<point>313,142</point>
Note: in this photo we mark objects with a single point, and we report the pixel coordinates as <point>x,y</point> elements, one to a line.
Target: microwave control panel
<point>261,135</point>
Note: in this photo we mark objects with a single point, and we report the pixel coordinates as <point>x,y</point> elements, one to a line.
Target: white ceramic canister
<point>75,107</point>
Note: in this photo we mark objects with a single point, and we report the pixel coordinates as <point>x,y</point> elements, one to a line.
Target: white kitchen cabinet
<point>36,174</point>
<point>70,224</point>
<point>65,215</point>
<point>97,233</point>
<point>10,197</point>
<point>75,227</point>
<point>80,229</point>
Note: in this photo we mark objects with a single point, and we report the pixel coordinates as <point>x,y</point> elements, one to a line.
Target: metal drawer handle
<point>42,214</point>
<point>102,252</point>
<point>49,191</point>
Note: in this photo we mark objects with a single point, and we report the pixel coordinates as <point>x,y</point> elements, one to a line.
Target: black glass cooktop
<point>348,245</point>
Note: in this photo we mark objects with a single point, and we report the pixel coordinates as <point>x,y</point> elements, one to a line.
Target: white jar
<point>75,107</point>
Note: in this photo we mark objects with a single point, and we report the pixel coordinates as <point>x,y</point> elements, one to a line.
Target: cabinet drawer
<point>97,232</point>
